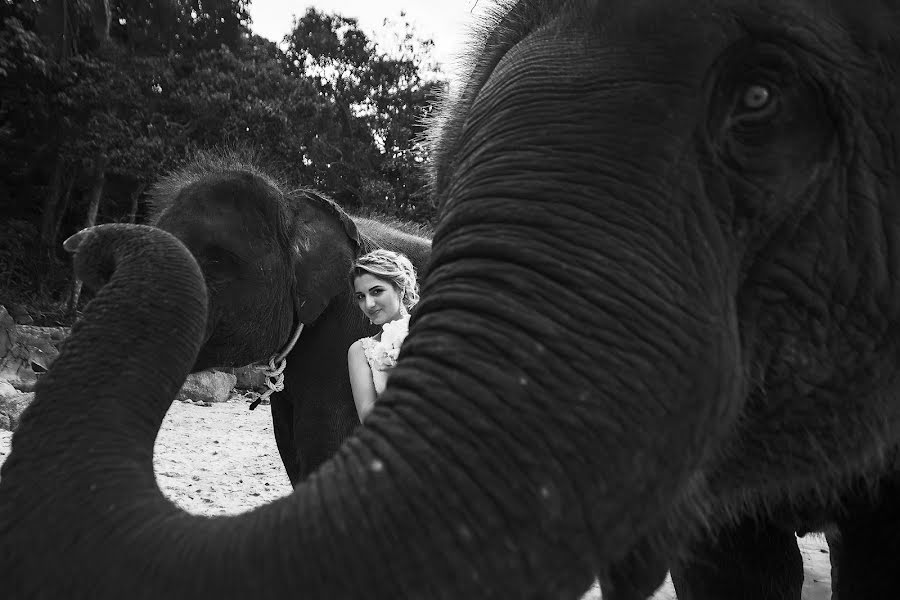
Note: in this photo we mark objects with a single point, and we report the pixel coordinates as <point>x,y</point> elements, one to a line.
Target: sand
<point>222,459</point>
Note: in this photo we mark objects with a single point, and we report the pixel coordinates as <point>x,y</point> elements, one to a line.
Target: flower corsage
<point>386,350</point>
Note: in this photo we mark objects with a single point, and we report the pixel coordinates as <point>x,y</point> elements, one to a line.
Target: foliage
<point>134,88</point>
<point>25,82</point>
<point>182,26</point>
<point>373,155</point>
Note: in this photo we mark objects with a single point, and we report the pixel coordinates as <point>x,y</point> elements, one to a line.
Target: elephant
<point>274,257</point>
<point>661,304</point>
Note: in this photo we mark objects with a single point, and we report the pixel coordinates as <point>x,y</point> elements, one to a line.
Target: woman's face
<point>377,298</point>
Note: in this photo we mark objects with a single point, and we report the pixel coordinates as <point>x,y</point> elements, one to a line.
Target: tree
<point>25,83</point>
<point>181,26</point>
<point>372,156</point>
<point>82,108</point>
<point>68,27</point>
<point>148,27</point>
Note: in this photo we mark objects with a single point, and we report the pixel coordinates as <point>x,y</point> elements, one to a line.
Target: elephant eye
<point>217,256</point>
<point>756,102</point>
<point>756,97</point>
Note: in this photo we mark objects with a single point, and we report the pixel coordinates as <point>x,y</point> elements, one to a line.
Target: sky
<point>446,22</point>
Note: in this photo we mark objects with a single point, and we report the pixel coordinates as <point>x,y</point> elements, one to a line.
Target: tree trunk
<point>165,22</point>
<point>135,197</point>
<point>94,205</point>
<point>101,18</point>
<point>51,200</point>
<point>49,211</point>
<point>55,24</point>
<point>61,211</point>
<point>67,38</point>
<point>96,189</point>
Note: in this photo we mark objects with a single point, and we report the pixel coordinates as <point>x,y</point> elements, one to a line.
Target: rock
<point>20,314</point>
<point>42,345</point>
<point>7,390</point>
<point>207,386</point>
<point>11,409</point>
<point>56,335</point>
<point>15,368</point>
<point>250,377</point>
<point>7,331</point>
<point>31,352</point>
<point>27,351</point>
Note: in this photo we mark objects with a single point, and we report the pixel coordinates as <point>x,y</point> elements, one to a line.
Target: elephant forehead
<point>221,227</point>
<point>575,45</point>
<point>233,200</point>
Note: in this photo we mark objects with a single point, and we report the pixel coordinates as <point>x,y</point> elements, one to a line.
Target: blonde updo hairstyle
<point>391,267</point>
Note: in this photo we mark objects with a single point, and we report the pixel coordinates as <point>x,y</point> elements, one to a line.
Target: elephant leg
<point>749,561</point>
<point>865,552</point>
<point>283,428</point>
<point>321,425</point>
<point>835,555</point>
<point>308,433</point>
<point>636,577</point>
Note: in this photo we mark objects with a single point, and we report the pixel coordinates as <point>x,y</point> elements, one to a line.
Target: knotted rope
<point>274,371</point>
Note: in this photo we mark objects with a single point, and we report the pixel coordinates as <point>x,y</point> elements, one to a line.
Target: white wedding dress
<point>379,375</point>
<point>382,354</point>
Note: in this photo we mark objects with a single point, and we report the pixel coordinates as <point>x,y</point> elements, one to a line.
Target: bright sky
<point>447,22</point>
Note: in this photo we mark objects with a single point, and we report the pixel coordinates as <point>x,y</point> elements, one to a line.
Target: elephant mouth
<point>206,361</point>
<point>211,354</point>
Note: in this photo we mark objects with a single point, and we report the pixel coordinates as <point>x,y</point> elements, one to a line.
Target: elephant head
<point>663,288</point>
<point>271,258</point>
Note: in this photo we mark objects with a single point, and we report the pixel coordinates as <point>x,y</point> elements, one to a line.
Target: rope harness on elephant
<point>274,371</point>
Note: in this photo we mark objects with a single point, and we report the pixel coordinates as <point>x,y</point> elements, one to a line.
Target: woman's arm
<point>361,380</point>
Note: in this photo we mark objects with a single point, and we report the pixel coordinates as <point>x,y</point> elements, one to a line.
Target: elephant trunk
<point>86,442</point>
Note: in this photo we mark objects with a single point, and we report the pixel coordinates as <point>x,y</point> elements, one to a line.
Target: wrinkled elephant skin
<point>661,305</point>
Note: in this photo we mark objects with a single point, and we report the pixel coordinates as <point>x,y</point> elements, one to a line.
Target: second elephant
<point>272,259</point>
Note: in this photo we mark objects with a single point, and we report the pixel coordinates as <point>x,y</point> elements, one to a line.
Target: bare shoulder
<point>356,350</point>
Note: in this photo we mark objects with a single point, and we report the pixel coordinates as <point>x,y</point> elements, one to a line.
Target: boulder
<point>14,358</point>
<point>7,331</point>
<point>25,353</point>
<point>207,386</point>
<point>250,377</point>
<point>30,353</point>
<point>7,390</point>
<point>55,335</point>
<point>42,345</point>
<point>20,314</point>
<point>11,408</point>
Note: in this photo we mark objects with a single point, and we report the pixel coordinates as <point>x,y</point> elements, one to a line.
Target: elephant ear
<point>325,244</point>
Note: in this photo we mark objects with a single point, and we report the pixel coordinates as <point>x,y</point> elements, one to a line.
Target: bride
<point>385,288</point>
